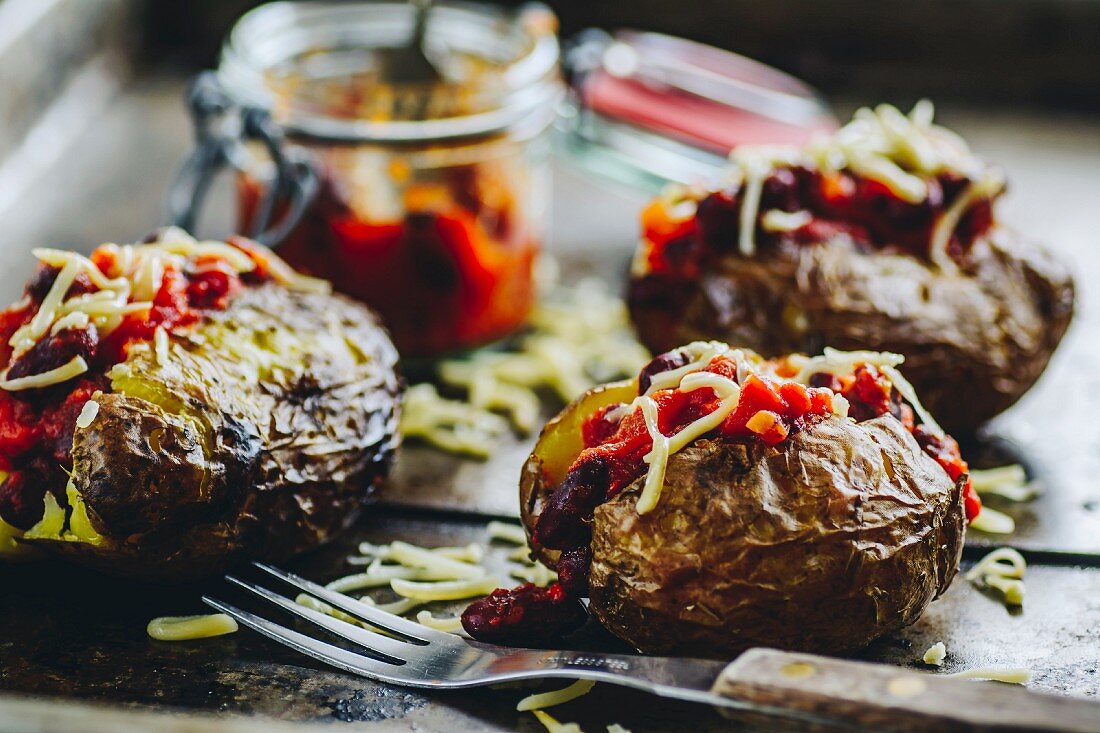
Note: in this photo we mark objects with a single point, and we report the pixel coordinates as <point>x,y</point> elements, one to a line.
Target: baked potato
<point>721,501</point>
<point>881,237</point>
<point>204,404</point>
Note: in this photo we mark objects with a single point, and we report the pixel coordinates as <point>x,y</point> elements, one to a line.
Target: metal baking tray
<point>75,637</point>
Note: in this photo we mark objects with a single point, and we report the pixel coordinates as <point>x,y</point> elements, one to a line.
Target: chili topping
<point>78,317</point>
<point>884,181</point>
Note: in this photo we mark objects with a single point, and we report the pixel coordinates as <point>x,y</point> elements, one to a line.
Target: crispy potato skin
<point>841,534</point>
<point>973,342</point>
<point>198,461</point>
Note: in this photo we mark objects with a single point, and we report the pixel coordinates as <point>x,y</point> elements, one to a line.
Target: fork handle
<point>881,696</point>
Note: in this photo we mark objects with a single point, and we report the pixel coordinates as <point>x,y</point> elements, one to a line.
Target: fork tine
<point>327,653</point>
<point>382,619</point>
<point>394,648</point>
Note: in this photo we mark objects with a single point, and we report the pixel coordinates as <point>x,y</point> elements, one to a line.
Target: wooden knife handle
<point>879,696</point>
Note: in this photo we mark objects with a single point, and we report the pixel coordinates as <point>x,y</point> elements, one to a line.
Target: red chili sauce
<point>613,458</point>
<point>839,203</point>
<point>452,272</point>
<point>36,425</point>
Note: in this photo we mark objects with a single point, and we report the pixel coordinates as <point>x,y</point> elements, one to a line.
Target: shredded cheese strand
<point>1010,675</point>
<point>899,151</point>
<point>777,220</point>
<point>657,458</point>
<point>447,590</point>
<point>949,220</point>
<point>537,573</point>
<point>542,700</point>
<point>728,391</point>
<point>1009,482</point>
<point>552,725</point>
<point>160,345</point>
<point>702,353</point>
<point>87,414</point>
<point>991,521</point>
<point>935,655</point>
<point>418,557</point>
<point>507,532</point>
<point>72,368</point>
<point>186,628</point>
<point>451,625</point>
<point>1002,570</point>
<point>26,336</point>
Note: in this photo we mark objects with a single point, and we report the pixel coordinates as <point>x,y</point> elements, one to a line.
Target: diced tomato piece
<point>597,429</point>
<point>797,398</point>
<point>659,227</point>
<point>972,503</point>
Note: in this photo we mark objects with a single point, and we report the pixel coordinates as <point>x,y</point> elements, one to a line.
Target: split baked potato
<point>246,413</point>
<point>814,518</point>
<point>881,237</point>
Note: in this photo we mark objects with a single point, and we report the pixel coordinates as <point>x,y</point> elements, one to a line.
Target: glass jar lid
<point>649,108</point>
<point>317,67</point>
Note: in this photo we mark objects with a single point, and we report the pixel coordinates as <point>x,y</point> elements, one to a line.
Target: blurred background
<point>93,122</point>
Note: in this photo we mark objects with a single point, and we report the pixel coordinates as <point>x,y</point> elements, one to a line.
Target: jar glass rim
<point>275,34</point>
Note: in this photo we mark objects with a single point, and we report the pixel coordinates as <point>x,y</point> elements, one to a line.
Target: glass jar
<point>433,199</point>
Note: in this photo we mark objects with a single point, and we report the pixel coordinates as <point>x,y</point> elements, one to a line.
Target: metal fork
<point>761,680</point>
<point>423,657</point>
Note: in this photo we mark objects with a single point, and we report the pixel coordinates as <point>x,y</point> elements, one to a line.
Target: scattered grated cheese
<point>397,608</point>
<point>538,574</point>
<point>286,275</point>
<point>445,590</point>
<point>451,425</point>
<point>949,219</point>
<point>1011,675</point>
<point>657,458</point>
<point>136,276</point>
<point>186,628</point>
<point>777,220</point>
<point>884,145</point>
<point>160,345</point>
<point>87,414</point>
<point>73,368</point>
<point>418,557</point>
<point>553,726</point>
<point>935,654</point>
<point>507,532</point>
<point>77,321</point>
<point>1008,482</point>
<point>578,337</point>
<point>991,521</point>
<point>421,575</point>
<point>376,578</point>
<point>450,625</point>
<point>309,601</point>
<point>542,700</point>
<point>1002,570</point>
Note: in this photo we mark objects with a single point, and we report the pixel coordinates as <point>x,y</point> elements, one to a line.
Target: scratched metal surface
<point>69,634</point>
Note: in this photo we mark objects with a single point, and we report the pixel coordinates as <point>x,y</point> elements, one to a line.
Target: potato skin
<point>974,342</point>
<point>841,534</point>
<point>192,464</point>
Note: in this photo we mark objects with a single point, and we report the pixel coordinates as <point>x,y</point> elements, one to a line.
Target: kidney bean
<point>662,363</point>
<point>565,520</point>
<point>56,350</point>
<point>524,616</point>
